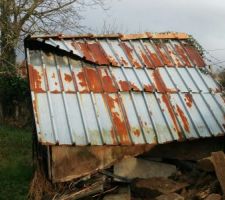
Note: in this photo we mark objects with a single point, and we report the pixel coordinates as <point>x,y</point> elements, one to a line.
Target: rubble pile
<point>145,178</point>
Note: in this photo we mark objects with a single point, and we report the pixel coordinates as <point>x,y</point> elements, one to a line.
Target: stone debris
<point>171,196</point>
<point>214,197</point>
<point>123,194</point>
<point>156,186</point>
<point>131,167</point>
<point>140,178</point>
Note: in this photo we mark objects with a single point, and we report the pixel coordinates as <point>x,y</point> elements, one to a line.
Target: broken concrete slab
<point>154,187</point>
<point>214,197</point>
<point>131,168</point>
<point>171,196</point>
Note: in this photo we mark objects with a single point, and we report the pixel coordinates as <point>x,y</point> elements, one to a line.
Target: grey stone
<point>131,168</point>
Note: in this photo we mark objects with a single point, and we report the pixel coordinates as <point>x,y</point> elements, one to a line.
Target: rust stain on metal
<point>36,79</point>
<point>55,91</point>
<point>53,75</point>
<point>163,55</point>
<point>188,99</point>
<point>134,87</point>
<point>154,57</point>
<point>183,119</point>
<point>125,85</point>
<point>93,79</point>
<point>129,53</point>
<point>194,55</point>
<point>113,136</point>
<point>118,119</point>
<point>84,48</point>
<point>67,77</point>
<point>107,81</point>
<point>172,114</point>
<point>98,53</point>
<point>182,54</point>
<point>113,61</point>
<point>173,56</point>
<point>160,84</point>
<point>148,88</point>
<point>123,61</point>
<point>146,60</point>
<point>137,133</point>
<point>82,82</point>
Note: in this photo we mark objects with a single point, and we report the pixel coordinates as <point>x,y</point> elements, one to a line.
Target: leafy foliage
<point>196,45</point>
<point>13,89</point>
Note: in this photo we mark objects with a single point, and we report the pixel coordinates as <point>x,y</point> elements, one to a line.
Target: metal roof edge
<point>163,35</point>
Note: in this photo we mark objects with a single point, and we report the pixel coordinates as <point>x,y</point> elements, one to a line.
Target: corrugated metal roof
<point>122,90</point>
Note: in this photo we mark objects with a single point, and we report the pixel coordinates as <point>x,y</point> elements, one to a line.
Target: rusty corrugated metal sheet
<point>122,90</point>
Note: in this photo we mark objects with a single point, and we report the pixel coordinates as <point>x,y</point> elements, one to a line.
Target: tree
<point>21,17</point>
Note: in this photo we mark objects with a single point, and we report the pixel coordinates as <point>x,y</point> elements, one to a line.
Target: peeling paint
<point>194,56</point>
<point>107,81</point>
<point>160,84</point>
<point>119,122</point>
<point>188,99</point>
<point>183,119</point>
<point>68,77</point>
<point>163,56</point>
<point>129,52</point>
<point>172,114</point>
<point>125,85</point>
<point>36,80</point>
<point>82,82</point>
<point>93,79</point>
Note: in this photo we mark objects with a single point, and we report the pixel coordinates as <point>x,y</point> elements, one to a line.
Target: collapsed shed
<point>98,98</point>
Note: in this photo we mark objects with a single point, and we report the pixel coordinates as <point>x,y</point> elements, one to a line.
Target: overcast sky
<point>204,19</point>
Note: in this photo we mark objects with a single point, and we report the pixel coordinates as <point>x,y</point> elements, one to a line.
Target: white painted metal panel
<point>104,119</point>
<point>92,125</point>
<point>60,119</point>
<point>179,84</point>
<point>66,116</point>
<point>144,115</point>
<point>46,134</point>
<point>187,79</point>
<point>75,117</point>
<point>119,53</point>
<point>156,113</point>
<point>135,129</point>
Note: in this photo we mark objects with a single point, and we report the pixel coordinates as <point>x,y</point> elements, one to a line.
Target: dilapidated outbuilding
<point>98,98</point>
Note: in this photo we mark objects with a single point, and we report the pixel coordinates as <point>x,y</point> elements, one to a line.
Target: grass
<point>15,162</point>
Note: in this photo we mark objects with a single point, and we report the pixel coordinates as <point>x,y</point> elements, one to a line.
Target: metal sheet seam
<point>49,100</point>
<point>198,110</point>
<point>163,112</point>
<point>208,106</point>
<point>187,111</point>
<point>64,101</point>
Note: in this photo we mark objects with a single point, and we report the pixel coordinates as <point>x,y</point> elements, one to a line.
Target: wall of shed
<point>69,162</point>
<point>74,162</point>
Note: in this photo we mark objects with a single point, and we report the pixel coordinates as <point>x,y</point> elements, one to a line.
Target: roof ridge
<point>145,35</point>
